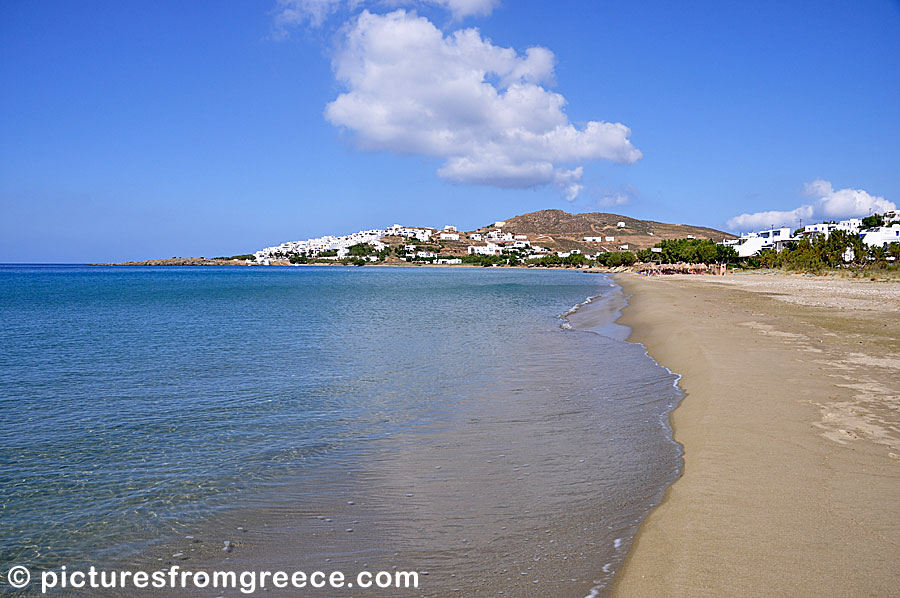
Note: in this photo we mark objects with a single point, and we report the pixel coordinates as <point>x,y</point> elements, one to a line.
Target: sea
<point>489,428</point>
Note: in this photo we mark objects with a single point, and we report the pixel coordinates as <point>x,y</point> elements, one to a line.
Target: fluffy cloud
<point>607,198</point>
<point>466,8</point>
<point>314,12</point>
<point>291,13</point>
<point>762,220</point>
<point>830,204</point>
<point>483,109</point>
<point>844,203</point>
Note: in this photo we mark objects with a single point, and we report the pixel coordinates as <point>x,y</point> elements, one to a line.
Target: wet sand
<point>791,432</point>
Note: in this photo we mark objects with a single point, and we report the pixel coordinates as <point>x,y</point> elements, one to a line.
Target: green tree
<point>361,250</point>
<point>872,221</point>
<point>893,250</point>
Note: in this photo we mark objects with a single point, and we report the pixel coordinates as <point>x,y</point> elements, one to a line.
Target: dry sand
<point>791,432</point>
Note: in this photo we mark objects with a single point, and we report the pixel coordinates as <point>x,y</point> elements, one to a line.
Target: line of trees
<point>691,251</point>
<point>839,249</point>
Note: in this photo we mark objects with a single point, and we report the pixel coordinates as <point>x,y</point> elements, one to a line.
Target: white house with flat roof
<point>752,243</point>
<point>851,226</point>
<point>489,249</point>
<point>882,236</point>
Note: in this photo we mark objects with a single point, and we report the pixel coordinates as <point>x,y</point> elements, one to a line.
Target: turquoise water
<point>137,402</point>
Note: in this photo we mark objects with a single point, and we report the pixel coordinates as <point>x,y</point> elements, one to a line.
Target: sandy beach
<point>791,432</point>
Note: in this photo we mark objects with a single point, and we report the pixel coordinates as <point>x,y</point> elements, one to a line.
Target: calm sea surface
<point>477,433</point>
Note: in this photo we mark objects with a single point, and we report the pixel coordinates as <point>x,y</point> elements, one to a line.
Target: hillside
<point>553,230</point>
<point>559,230</point>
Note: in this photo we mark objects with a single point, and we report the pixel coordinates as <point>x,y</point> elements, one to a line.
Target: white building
<point>593,239</point>
<point>500,223</point>
<point>851,226</point>
<point>449,229</point>
<point>476,237</point>
<point>609,239</point>
<point>489,249</point>
<point>623,247</point>
<point>882,236</point>
<point>822,228</point>
<point>449,237</point>
<point>752,243</point>
<point>448,260</point>
<point>315,247</point>
<point>498,236</point>
<point>620,224</point>
<point>420,234</point>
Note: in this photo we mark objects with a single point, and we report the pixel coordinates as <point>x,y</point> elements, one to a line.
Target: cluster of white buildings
<point>315,247</point>
<point>497,242</point>
<point>341,245</point>
<point>419,234</point>
<point>750,244</point>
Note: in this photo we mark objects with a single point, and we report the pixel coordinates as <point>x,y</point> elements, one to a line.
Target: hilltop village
<point>548,237</point>
<point>554,238</point>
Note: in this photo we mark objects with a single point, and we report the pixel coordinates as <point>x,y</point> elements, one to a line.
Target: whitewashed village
<point>555,238</point>
<point>611,242</point>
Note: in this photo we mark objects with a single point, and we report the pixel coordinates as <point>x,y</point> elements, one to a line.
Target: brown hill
<point>559,230</point>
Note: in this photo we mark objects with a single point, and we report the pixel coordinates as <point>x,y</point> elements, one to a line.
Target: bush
<point>695,251</point>
<point>872,221</point>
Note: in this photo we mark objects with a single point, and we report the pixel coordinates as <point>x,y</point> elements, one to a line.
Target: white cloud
<point>465,8</point>
<point>829,205</point>
<point>762,220</point>
<point>607,198</point>
<point>291,13</point>
<point>480,107</point>
<point>845,203</point>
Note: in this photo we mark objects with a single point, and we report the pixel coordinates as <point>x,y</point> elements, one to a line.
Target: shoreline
<point>585,269</point>
<point>539,525</point>
<point>790,425</point>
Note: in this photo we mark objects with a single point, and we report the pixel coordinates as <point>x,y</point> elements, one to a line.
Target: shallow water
<point>478,436</point>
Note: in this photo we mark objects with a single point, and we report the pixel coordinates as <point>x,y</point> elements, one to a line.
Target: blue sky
<point>135,130</point>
